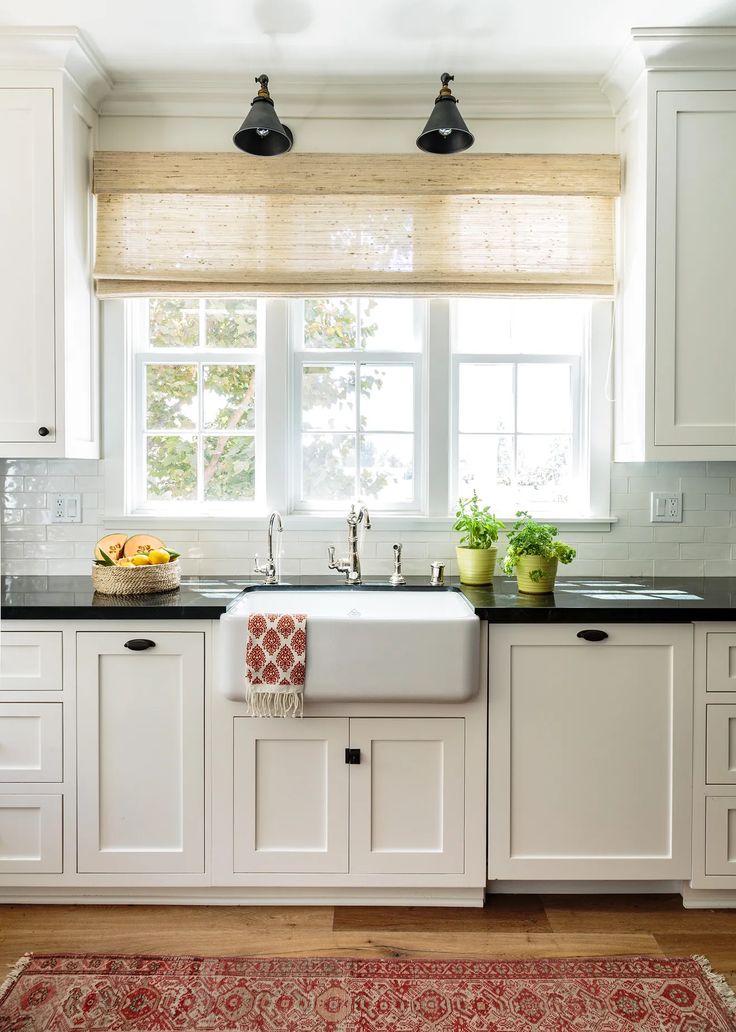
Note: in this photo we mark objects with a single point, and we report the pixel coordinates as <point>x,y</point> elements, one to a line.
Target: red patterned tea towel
<point>275,664</point>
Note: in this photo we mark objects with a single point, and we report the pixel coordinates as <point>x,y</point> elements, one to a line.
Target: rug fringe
<point>14,974</point>
<point>718,982</point>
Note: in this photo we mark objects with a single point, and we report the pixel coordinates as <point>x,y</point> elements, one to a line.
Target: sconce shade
<point>445,131</point>
<point>262,133</point>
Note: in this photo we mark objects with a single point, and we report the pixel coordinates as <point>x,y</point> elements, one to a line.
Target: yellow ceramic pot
<point>476,565</point>
<point>542,585</point>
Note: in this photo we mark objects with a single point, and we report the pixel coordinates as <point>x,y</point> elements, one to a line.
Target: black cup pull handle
<point>140,644</point>
<point>592,635</point>
<point>43,431</point>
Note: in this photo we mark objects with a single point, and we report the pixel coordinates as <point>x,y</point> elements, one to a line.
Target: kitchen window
<point>237,405</point>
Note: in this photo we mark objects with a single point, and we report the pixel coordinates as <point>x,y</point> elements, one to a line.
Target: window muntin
<point>520,370</point>
<point>196,441</point>
<point>357,370</point>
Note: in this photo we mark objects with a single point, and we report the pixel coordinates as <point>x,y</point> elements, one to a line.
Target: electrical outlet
<point>666,508</point>
<point>66,508</point>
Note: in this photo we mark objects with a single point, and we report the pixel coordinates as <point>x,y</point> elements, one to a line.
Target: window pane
<point>328,397</point>
<point>171,397</point>
<point>328,467</point>
<point>387,467</point>
<point>231,322</point>
<point>497,326</point>
<point>229,397</point>
<point>330,322</point>
<point>486,398</point>
<point>482,326</point>
<point>171,471</point>
<point>387,397</point>
<point>544,398</point>
<point>229,469</point>
<point>387,324</point>
<point>486,464</point>
<point>173,322</point>
<point>544,468</point>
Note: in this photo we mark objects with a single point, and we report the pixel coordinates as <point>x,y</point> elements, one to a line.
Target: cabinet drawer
<point>720,835</point>
<point>721,663</point>
<point>721,747</point>
<point>30,741</point>
<point>30,834</point>
<point>30,661</point>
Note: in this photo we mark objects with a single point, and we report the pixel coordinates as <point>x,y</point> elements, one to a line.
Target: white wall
<point>705,542</point>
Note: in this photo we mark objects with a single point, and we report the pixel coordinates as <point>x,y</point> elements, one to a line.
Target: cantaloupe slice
<point>112,545</point>
<point>141,543</point>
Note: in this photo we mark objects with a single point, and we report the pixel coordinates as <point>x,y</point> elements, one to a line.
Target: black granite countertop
<point>607,599</point>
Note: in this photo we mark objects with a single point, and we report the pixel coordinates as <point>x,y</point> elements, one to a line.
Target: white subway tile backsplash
<point>704,542</point>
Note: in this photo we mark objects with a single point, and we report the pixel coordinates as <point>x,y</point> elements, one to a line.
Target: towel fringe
<point>265,702</point>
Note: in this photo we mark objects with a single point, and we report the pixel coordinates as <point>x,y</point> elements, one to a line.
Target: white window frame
<point>138,356</point>
<point>278,416</point>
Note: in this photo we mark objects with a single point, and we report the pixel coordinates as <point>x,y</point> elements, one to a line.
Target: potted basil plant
<point>534,554</point>
<point>476,553</point>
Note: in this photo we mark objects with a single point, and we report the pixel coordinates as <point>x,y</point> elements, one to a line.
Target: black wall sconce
<point>445,131</point>
<point>262,133</point>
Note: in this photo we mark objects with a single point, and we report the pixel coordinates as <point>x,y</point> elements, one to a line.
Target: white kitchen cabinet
<point>359,796</point>
<point>30,834</point>
<point>140,753</point>
<point>675,360</point>
<point>720,838</point>
<point>48,326</point>
<point>30,742</point>
<point>30,661</point>
<point>590,752</point>
<point>290,792</point>
<point>407,796</point>
<point>720,748</point>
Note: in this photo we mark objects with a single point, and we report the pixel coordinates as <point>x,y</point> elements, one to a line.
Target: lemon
<point>157,556</point>
<point>140,560</point>
<point>124,562</point>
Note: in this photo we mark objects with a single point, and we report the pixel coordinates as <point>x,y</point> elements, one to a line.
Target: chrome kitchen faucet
<point>350,566</point>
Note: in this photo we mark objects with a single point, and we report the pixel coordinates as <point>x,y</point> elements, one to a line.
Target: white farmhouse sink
<point>366,645</point>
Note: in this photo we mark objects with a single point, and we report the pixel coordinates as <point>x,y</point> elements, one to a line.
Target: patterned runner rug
<point>615,994</point>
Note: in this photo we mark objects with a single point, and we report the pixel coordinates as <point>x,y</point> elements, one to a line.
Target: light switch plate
<point>666,508</point>
<point>66,508</point>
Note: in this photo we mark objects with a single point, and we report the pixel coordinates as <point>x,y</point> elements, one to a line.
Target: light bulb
<point>444,132</point>
<point>264,132</point>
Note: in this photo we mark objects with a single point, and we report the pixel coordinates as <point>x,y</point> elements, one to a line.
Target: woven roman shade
<point>305,224</point>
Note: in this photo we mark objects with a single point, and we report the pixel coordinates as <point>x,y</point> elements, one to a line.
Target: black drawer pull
<point>140,644</point>
<point>592,635</point>
<point>352,756</point>
<point>43,431</point>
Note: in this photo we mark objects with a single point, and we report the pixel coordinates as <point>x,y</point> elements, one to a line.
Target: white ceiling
<point>204,41</point>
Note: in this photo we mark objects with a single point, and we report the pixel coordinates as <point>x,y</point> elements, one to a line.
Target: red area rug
<point>95,993</point>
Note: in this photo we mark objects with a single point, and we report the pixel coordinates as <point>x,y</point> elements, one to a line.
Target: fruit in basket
<point>141,544</point>
<point>140,559</point>
<point>124,562</point>
<point>110,547</point>
<point>158,556</point>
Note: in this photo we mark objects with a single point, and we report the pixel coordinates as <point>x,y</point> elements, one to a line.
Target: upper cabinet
<point>49,394</point>
<point>676,309</point>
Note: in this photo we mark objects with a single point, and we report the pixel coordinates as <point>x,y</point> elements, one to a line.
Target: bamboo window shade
<point>305,224</point>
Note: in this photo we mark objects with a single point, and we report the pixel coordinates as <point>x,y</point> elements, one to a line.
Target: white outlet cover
<point>666,508</point>
<point>66,508</point>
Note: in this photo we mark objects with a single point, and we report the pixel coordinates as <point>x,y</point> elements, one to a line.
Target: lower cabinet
<point>140,736</point>
<point>357,796</point>
<point>30,834</point>
<point>590,752</point>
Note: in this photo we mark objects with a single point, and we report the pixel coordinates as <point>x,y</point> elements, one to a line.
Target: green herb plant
<point>531,538</point>
<point>478,525</point>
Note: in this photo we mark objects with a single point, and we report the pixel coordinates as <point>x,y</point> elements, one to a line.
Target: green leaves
<point>478,525</point>
<point>531,538</point>
<point>105,561</point>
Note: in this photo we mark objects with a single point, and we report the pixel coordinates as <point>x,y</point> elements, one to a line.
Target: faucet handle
<point>331,556</point>
<point>396,577</point>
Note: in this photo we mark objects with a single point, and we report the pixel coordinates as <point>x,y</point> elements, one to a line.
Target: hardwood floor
<point>509,926</point>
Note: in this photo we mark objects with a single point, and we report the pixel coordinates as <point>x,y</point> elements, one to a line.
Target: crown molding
<point>707,48</point>
<point>359,98</point>
<point>61,48</point>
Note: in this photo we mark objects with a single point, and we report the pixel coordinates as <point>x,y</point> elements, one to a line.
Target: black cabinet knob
<point>140,644</point>
<point>43,431</point>
<point>592,635</point>
<point>352,756</point>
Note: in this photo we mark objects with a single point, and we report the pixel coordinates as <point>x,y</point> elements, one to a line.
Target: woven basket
<point>136,580</point>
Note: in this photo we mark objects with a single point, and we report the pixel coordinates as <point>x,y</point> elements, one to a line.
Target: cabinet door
<point>30,741</point>
<point>30,661</point>
<point>407,796</point>
<point>720,835</point>
<point>290,795</point>
<point>30,834</point>
<point>27,380</point>
<point>695,300</point>
<point>590,753</point>
<point>721,745</point>
<point>140,753</point>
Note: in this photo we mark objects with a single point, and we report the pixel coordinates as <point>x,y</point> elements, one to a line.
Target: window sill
<point>334,521</point>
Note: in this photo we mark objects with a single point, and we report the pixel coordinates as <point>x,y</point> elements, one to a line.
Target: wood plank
<point>655,914</point>
<point>501,913</point>
<point>380,174</point>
